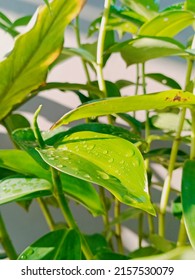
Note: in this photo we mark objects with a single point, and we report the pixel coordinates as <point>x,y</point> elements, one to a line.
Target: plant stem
<point>66,212</point>
<point>137,84</point>
<point>140,229</point>
<point>6,241</point>
<point>181,241</point>
<point>192,150</point>
<point>78,38</point>
<point>46,213</point>
<point>118,227</point>
<point>147,135</point>
<point>173,156</point>
<point>100,47</point>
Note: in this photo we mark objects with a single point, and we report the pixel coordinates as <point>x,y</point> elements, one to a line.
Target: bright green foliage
<point>33,53</point>
<point>167,24</point>
<point>13,189</point>
<point>158,101</point>
<point>188,199</point>
<point>107,160</point>
<point>141,49</point>
<point>57,245</point>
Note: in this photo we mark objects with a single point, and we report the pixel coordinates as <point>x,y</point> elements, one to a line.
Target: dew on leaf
<point>90,147</point>
<point>103,175</point>
<point>110,160</point>
<point>165,19</point>
<point>105,152</point>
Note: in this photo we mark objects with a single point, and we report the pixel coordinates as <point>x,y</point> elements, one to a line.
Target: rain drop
<point>30,252</point>
<point>104,175</point>
<point>135,162</point>
<point>165,19</point>
<point>130,153</point>
<point>23,257</point>
<point>87,176</point>
<point>90,147</point>
<point>164,82</point>
<point>105,152</point>
<point>59,165</point>
<point>110,160</point>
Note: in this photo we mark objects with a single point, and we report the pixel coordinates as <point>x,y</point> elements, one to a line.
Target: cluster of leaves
<point>49,166</point>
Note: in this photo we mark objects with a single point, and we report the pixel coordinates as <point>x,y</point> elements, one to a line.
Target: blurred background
<point>21,225</point>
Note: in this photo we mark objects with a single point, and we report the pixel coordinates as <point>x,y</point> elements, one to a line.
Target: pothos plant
<point>101,164</point>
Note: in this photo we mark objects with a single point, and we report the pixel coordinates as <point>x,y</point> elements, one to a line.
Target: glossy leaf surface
<point>167,24</point>
<point>107,160</point>
<point>14,189</point>
<point>56,245</point>
<point>159,101</point>
<point>82,191</point>
<point>188,199</point>
<point>147,8</point>
<point>164,80</point>
<point>142,49</point>
<point>21,76</point>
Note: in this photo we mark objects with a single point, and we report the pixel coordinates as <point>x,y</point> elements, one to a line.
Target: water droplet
<point>164,82</point>
<point>23,257</point>
<point>59,165</point>
<point>110,160</point>
<point>87,176</point>
<point>129,153</point>
<point>105,152</point>
<point>104,175</point>
<point>65,158</point>
<point>135,162</point>
<point>90,147</point>
<point>165,19</point>
<point>29,252</point>
<point>51,158</point>
<point>122,161</point>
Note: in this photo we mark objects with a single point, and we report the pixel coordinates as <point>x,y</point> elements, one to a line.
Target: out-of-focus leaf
<point>163,79</point>
<point>107,160</point>
<point>25,69</point>
<point>16,121</point>
<point>124,83</point>
<point>161,244</point>
<point>158,101</point>
<point>188,199</point>
<point>169,122</point>
<point>57,245</point>
<point>143,252</point>
<point>167,24</point>
<point>177,208</point>
<point>147,8</point>
<point>97,243</point>
<point>141,49</point>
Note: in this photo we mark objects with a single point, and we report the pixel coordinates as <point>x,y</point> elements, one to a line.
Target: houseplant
<point>101,164</point>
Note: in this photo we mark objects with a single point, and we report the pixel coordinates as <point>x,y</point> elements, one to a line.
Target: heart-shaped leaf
<point>107,160</point>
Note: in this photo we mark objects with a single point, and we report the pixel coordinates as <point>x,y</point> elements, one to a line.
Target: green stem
<point>105,217</point>
<point>78,38</point>
<point>192,150</point>
<point>46,213</point>
<point>137,85</point>
<point>100,47</point>
<point>118,227</point>
<point>140,229</point>
<point>182,236</point>
<point>66,212</point>
<point>147,135</point>
<point>173,156</point>
<point>6,241</point>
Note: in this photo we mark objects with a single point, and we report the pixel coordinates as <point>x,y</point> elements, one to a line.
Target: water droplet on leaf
<point>103,175</point>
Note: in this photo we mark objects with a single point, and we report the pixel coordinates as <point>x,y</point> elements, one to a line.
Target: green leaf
<point>145,48</point>
<point>130,213</point>
<point>143,252</point>
<point>82,52</point>
<point>147,8</point>
<point>97,243</point>
<point>22,163</point>
<point>158,101</point>
<point>16,121</point>
<point>163,79</point>
<point>188,199</point>
<point>15,189</point>
<point>21,76</point>
<point>57,245</point>
<point>169,122</point>
<point>161,244</point>
<point>177,208</point>
<point>167,24</point>
<point>106,160</point>
<point>71,87</point>
<point>124,83</point>
<point>190,5</point>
